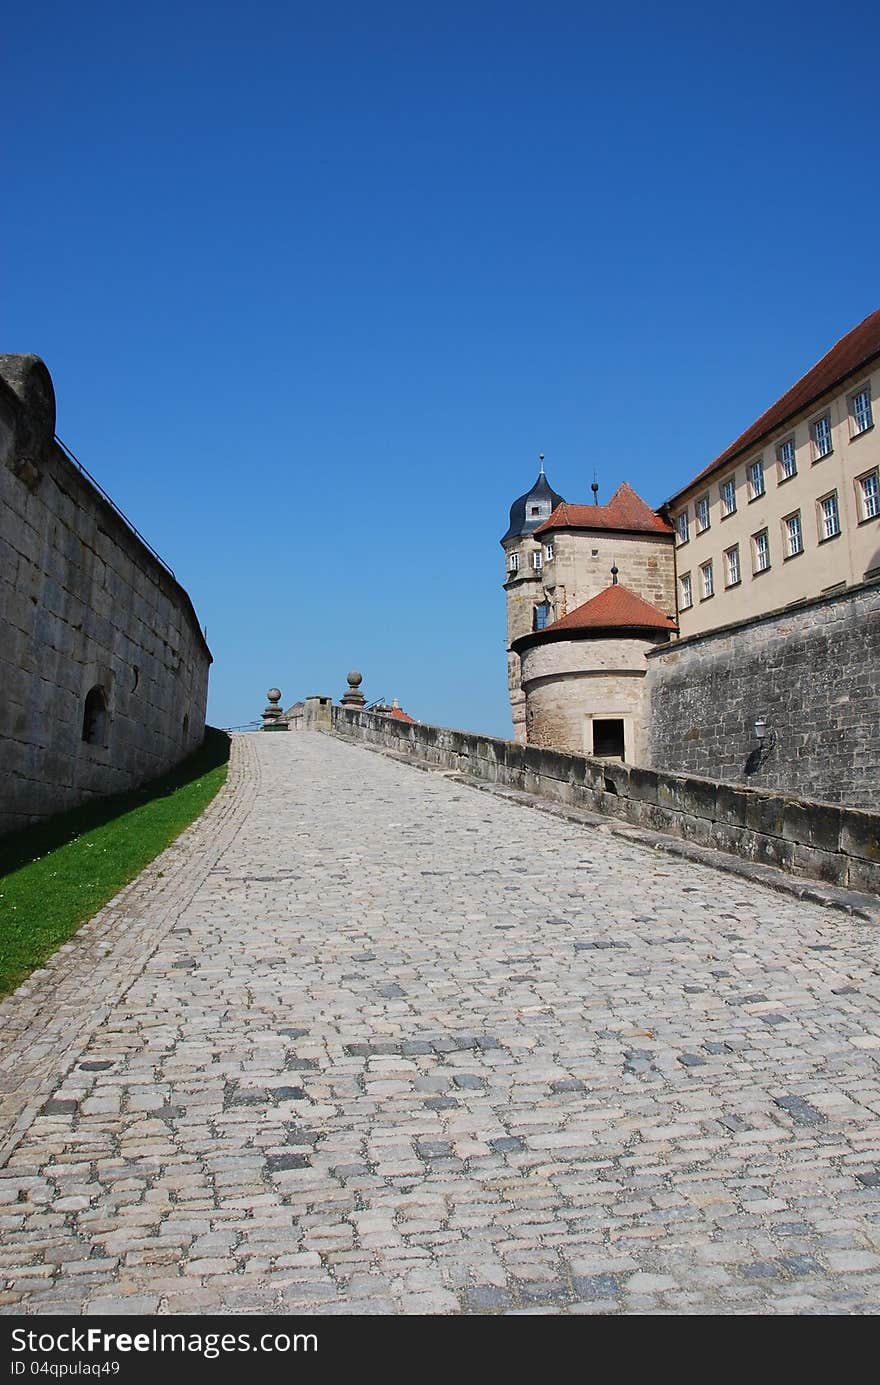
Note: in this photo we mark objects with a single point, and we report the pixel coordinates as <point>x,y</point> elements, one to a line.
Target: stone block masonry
<point>811,670</point>
<point>820,841</point>
<point>103,666</point>
<point>365,1041</point>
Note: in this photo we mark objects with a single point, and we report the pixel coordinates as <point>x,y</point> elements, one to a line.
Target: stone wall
<point>821,841</point>
<point>813,671</point>
<point>84,605</point>
<point>582,566</point>
<point>568,683</point>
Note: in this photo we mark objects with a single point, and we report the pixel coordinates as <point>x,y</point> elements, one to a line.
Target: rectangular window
<point>756,479</point>
<point>549,552</point>
<point>537,560</point>
<point>727,491</point>
<point>708,580</point>
<point>731,562</point>
<point>785,458</point>
<point>681,525</point>
<point>513,563</point>
<point>542,616</point>
<point>686,595</point>
<point>794,538</point>
<point>860,411</point>
<point>761,551</point>
<point>829,517</point>
<point>701,510</point>
<point>821,435</point>
<point>869,495</point>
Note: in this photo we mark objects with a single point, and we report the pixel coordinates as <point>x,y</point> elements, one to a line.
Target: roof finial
<point>595,487</point>
<point>614,571</point>
<point>541,458</point>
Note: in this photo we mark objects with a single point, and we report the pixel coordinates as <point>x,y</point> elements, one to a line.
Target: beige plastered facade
<point>824,564</point>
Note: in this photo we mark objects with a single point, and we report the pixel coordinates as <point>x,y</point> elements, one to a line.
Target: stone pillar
<point>354,697</point>
<point>318,714</point>
<point>273,717</point>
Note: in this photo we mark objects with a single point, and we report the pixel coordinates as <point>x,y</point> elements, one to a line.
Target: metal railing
<point>114,507</point>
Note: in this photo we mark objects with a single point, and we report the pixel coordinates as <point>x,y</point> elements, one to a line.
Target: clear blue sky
<point>316,284</point>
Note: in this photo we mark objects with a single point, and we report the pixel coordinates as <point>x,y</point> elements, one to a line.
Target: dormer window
<point>535,511</point>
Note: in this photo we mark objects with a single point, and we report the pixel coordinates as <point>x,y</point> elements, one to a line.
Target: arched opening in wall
<point>94,730</point>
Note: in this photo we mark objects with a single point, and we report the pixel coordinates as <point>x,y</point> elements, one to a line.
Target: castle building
<point>589,589</point>
<point>669,638</point>
<point>791,510</point>
<point>523,585</point>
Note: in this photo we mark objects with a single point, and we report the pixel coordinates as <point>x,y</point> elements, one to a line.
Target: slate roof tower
<point>523,588</point>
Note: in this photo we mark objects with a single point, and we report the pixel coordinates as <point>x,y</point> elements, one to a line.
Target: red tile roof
<point>615,607</point>
<point>625,511</point>
<point>850,353</point>
<point>400,715</point>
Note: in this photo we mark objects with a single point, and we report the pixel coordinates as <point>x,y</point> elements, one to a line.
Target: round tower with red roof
<point>590,589</point>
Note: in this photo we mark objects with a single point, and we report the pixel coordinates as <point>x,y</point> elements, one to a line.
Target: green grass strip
<point>58,874</point>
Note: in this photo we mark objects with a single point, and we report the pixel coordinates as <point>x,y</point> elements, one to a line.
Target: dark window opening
<point>536,510</point>
<point>608,739</point>
<point>94,730</point>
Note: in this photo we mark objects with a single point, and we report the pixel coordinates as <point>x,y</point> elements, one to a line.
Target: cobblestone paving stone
<point>367,1041</point>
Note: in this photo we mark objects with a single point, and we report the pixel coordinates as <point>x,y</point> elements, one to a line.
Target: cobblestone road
<point>375,1042</point>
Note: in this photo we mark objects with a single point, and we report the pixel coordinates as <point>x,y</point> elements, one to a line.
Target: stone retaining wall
<point>84,606</point>
<point>811,670</point>
<point>818,840</point>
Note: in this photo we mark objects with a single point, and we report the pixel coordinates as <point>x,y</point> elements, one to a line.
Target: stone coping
<point>820,841</point>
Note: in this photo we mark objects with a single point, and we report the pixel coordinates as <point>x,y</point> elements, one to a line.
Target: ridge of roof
<point>846,356</point>
<point>626,510</point>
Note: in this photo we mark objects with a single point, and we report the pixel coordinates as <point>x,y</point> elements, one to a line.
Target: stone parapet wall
<point>818,840</point>
<point>84,604</point>
<point>812,670</point>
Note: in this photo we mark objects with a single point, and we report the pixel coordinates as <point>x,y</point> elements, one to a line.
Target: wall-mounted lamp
<point>766,738</point>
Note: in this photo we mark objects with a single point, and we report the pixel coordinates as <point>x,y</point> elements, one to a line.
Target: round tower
<point>583,675</point>
<point>524,581</point>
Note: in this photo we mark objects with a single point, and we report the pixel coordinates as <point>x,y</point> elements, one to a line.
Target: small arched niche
<point>94,728</point>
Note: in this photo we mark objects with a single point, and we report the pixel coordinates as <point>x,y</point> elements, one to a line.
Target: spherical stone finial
<point>273,717</point>
<point>353,697</point>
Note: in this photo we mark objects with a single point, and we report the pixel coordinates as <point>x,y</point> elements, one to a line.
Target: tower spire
<point>541,459</point>
<point>595,487</point>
